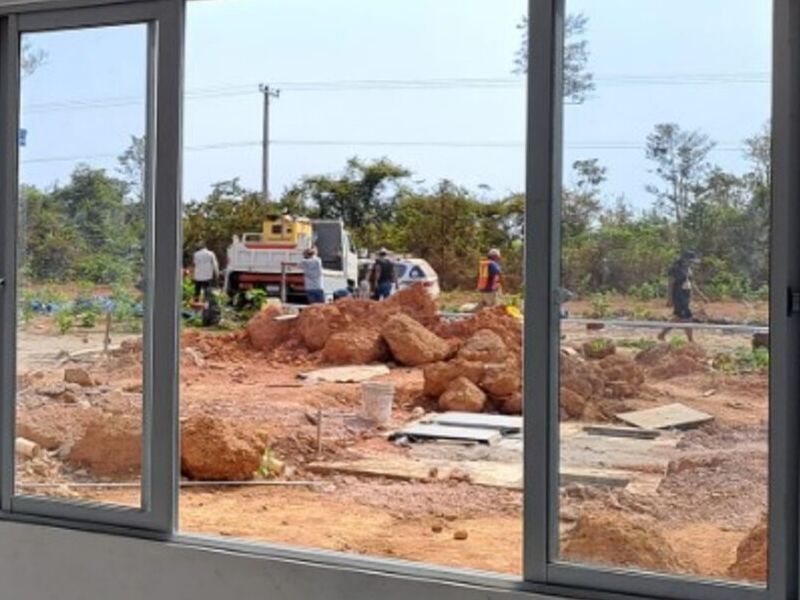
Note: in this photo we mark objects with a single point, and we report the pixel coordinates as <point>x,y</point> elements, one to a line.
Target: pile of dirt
<point>615,540</point>
<point>273,332</point>
<point>751,555</point>
<point>484,369</point>
<point>592,390</point>
<point>494,319</point>
<point>622,376</point>
<point>267,330</point>
<point>213,450</point>
<point>667,360</point>
<point>53,425</point>
<point>111,446</point>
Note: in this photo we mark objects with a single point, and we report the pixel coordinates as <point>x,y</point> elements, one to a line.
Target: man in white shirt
<point>206,270</point>
<point>314,283</point>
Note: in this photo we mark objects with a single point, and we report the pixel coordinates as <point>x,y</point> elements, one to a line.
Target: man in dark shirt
<point>384,275</point>
<point>680,290</point>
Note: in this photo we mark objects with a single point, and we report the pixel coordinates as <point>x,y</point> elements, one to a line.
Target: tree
<point>578,80</point>
<point>229,210</point>
<point>132,166</point>
<point>580,205</point>
<point>364,196</point>
<point>31,59</point>
<point>444,228</point>
<point>681,162</point>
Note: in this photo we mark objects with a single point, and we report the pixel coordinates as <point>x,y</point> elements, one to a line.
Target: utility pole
<point>269,93</point>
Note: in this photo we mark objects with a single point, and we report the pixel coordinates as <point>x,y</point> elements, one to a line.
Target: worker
<point>349,292</point>
<point>680,288</point>
<point>384,276</point>
<point>489,276</point>
<point>205,272</point>
<point>313,278</point>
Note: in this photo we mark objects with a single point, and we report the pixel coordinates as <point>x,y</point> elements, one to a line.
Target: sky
<point>428,84</point>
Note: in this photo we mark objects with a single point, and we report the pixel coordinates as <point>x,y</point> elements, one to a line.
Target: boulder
<point>411,344</point>
<point>355,347</point>
<point>510,405</point>
<point>213,450</point>
<point>78,376</point>
<point>572,403</point>
<point>317,323</point>
<point>439,375</point>
<point>462,396</point>
<point>502,380</point>
<point>111,446</point>
<point>484,346</point>
<point>264,332</point>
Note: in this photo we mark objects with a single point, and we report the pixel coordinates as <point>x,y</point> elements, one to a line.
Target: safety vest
<point>484,276</point>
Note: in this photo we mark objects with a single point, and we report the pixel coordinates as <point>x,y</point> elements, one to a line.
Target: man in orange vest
<point>489,276</point>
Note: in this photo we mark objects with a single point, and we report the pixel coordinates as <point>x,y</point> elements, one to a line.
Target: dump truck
<point>270,259</point>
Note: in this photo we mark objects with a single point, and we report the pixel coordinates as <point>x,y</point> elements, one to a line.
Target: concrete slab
<point>349,374</point>
<point>506,424</point>
<point>434,431</point>
<point>672,416</point>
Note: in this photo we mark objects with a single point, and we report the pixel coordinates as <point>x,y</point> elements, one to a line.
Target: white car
<point>409,271</point>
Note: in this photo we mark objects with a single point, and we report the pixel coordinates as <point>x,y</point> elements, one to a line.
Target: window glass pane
<point>403,124</point>
<point>664,370</point>
<point>81,249</point>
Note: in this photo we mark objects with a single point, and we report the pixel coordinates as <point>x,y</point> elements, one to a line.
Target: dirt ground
<point>713,492</point>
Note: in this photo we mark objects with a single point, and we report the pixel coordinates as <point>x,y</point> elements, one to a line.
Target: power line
<point>376,85</point>
<point>487,144</point>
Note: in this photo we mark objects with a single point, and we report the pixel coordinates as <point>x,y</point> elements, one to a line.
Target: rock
<point>511,405</point>
<point>503,379</point>
<point>78,376</point>
<point>751,555</point>
<point>317,323</point>
<point>213,450</point>
<point>599,348</point>
<point>461,535</point>
<point>355,347</point>
<point>411,344</point>
<point>52,391</point>
<point>572,403</point>
<point>463,396</point>
<point>264,332</point>
<point>485,346</point>
<point>111,446</point>
<point>439,375</point>
<point>437,528</point>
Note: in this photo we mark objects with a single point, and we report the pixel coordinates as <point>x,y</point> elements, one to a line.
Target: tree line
<point>93,227</point>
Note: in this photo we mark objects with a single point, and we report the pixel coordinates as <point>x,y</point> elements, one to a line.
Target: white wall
<point>40,563</point>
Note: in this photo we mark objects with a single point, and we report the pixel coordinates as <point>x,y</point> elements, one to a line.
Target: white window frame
<point>543,573</point>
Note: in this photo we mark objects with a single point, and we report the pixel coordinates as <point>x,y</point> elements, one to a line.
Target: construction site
<point>392,429</point>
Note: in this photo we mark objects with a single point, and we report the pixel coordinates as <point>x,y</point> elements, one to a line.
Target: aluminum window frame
<point>164,22</point>
<point>541,576</point>
<point>542,329</point>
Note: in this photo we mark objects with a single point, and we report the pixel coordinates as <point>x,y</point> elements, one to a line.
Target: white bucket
<point>376,402</point>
